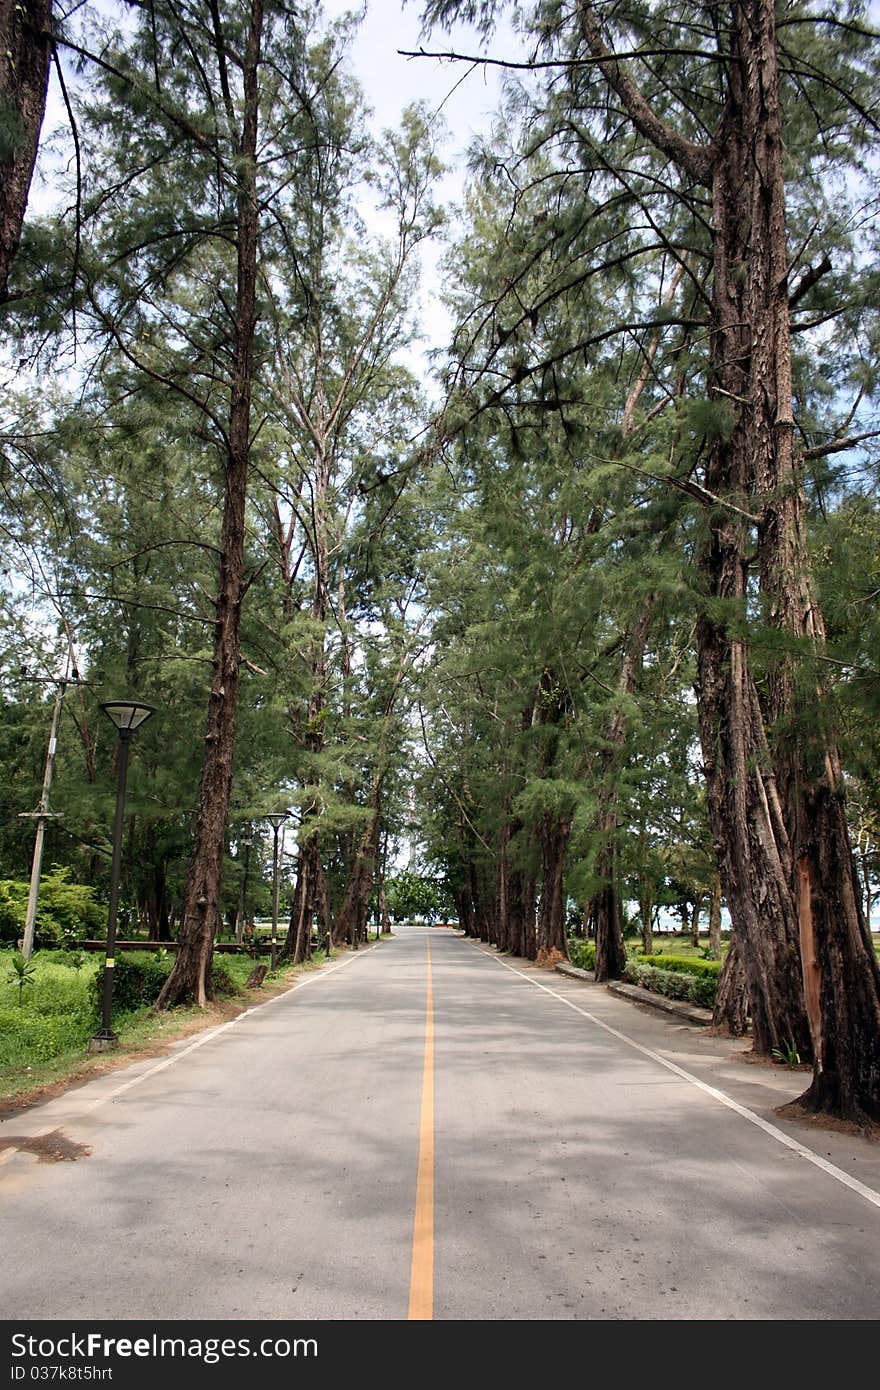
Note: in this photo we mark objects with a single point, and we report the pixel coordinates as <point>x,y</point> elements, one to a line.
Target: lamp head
<point>127,715</point>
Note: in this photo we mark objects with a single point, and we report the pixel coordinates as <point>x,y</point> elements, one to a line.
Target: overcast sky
<point>390,81</point>
<point>467,97</point>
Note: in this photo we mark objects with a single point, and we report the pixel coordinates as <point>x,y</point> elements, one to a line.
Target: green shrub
<point>674,984</point>
<point>13,908</point>
<point>223,981</point>
<point>59,990</point>
<point>704,991</point>
<point>688,965</point>
<point>141,975</point>
<point>66,911</point>
<point>137,982</point>
<point>582,953</point>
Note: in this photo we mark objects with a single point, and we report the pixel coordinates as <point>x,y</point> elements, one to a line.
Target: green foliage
<point>138,979</point>
<point>582,953</point>
<point>13,907</point>
<point>415,895</point>
<point>57,1016</point>
<point>22,974</point>
<point>687,965</point>
<point>674,984</point>
<point>66,911</point>
<point>787,1054</point>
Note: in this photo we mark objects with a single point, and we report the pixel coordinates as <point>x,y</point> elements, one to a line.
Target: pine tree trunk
<point>516,909</point>
<point>744,807</point>
<point>520,903</point>
<point>502,891</point>
<point>551,937</point>
<point>190,977</point>
<point>25,51</point>
<point>731,1013</point>
<point>481,928</point>
<point>529,919</point>
<point>309,902</point>
<point>351,921</point>
<point>715,919</point>
<point>610,952</point>
<point>697,908</point>
<point>384,914</point>
<point>646,914</point>
<point>156,903</point>
<point>779,824</point>
<point>840,970</point>
<point>465,910</point>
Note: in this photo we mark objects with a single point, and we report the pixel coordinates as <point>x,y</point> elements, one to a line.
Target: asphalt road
<point>468,1138</point>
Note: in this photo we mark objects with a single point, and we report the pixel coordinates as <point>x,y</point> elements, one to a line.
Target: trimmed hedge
<point>700,988</point>
<point>685,965</point>
<point>582,953</point>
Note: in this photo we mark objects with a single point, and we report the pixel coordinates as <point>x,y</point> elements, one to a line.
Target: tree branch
<point>837,446</point>
<point>695,160</point>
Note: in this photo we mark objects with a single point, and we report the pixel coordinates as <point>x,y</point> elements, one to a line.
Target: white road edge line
<point>199,1042</point>
<point>779,1135</point>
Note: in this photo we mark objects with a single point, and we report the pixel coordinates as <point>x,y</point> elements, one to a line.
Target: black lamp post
<point>276,819</point>
<point>127,715</point>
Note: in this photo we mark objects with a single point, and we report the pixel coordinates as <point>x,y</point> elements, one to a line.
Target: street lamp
<point>276,819</point>
<point>127,715</point>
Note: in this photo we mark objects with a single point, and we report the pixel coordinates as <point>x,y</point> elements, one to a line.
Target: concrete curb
<point>692,1013</point>
<point>575,971</point>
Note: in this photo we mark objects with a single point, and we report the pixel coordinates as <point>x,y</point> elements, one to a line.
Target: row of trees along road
<point>574,628</point>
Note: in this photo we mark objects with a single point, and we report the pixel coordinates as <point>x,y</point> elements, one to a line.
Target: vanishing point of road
<point>425,1130</point>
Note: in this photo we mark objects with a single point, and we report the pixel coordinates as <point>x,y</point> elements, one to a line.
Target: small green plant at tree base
<point>787,1054</point>
<point>21,974</point>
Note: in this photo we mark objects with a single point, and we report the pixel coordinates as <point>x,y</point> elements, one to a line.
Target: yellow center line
<point>421,1278</point>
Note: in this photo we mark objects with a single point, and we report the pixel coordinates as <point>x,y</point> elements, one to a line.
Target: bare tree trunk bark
<point>351,921</point>
<point>697,908</point>
<point>502,890</point>
<point>384,914</point>
<point>731,1013</point>
<point>606,907</point>
<point>551,938</point>
<point>465,910</point>
<point>25,56</point>
<point>715,919</point>
<point>190,977</point>
<point>646,915</point>
<point>840,970</point>
<point>745,812</point>
<point>778,822</point>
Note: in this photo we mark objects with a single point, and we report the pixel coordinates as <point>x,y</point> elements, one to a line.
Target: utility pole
<point>41,815</point>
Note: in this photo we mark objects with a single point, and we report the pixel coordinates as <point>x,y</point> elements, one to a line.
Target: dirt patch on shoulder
<point>48,1148</point>
<point>802,1116</point>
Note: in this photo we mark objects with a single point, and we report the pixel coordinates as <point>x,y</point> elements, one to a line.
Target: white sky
<point>468,98</point>
<point>390,81</point>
